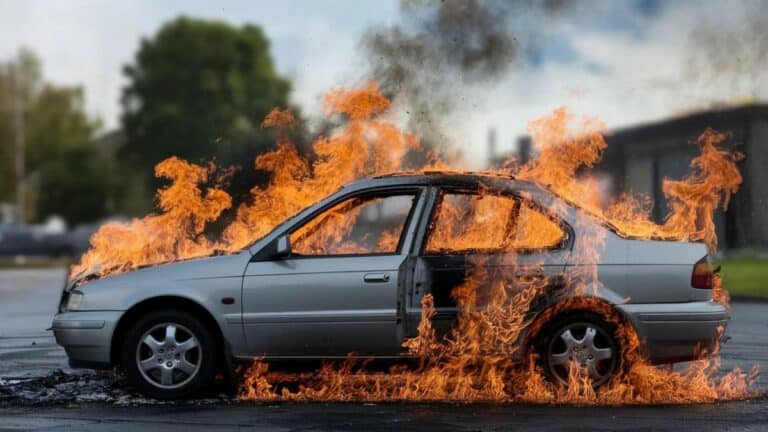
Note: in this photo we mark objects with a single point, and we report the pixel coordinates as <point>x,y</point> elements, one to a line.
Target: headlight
<point>73,301</point>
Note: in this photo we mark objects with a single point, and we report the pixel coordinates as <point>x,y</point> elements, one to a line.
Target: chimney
<point>491,146</point>
<point>524,149</point>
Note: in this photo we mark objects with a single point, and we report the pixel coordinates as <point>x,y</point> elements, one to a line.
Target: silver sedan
<point>310,290</point>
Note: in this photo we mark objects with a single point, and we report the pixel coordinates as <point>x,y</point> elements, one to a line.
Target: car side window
<point>536,230</point>
<point>464,222</point>
<point>356,226</point>
<point>468,222</point>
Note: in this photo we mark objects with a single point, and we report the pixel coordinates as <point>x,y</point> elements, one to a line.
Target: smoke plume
<point>732,56</point>
<point>441,49</point>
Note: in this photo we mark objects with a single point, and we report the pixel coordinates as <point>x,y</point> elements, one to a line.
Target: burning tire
<point>169,355</point>
<point>582,340</point>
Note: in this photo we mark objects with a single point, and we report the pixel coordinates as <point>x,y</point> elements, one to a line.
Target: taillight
<point>703,276</point>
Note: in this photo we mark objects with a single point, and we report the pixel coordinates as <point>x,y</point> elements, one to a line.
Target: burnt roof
<point>446,174</point>
<point>438,177</point>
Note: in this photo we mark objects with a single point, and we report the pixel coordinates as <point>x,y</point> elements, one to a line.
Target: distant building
<point>640,157</point>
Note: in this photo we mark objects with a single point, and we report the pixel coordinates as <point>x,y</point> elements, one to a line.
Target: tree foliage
<point>20,79</point>
<point>56,130</point>
<point>76,187</point>
<point>198,90</point>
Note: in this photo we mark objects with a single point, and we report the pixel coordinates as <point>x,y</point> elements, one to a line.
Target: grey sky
<point>622,62</point>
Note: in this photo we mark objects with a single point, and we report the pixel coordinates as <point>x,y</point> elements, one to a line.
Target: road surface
<point>35,395</point>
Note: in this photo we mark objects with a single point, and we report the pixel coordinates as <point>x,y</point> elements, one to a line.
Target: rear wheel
<point>169,355</point>
<point>583,341</point>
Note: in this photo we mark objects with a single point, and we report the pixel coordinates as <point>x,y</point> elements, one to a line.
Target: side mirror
<point>282,247</point>
<point>278,248</point>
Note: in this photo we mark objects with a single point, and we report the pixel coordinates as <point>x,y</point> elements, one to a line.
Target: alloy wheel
<point>168,355</point>
<point>583,345</point>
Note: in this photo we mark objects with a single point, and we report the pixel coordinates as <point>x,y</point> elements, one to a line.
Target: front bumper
<point>671,332</point>
<point>86,337</point>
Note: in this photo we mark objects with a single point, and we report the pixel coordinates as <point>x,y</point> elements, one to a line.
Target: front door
<point>337,292</point>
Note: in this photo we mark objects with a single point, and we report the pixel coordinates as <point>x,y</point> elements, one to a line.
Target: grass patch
<point>745,276</point>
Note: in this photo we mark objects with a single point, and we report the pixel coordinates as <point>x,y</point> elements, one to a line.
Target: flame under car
<point>348,275</point>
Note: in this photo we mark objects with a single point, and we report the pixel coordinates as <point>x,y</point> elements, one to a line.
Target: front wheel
<point>583,341</point>
<point>169,355</point>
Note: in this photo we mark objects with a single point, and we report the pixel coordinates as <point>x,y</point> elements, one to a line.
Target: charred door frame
<point>411,289</point>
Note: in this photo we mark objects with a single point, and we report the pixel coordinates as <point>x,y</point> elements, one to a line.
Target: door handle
<point>376,277</point>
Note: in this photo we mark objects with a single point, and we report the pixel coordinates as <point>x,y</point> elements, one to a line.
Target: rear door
<point>475,238</point>
<point>337,292</point>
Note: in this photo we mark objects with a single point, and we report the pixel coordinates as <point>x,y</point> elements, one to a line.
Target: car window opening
<point>473,223</point>
<point>357,226</point>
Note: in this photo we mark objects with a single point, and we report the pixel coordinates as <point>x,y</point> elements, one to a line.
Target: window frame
<point>565,244</point>
<point>415,192</point>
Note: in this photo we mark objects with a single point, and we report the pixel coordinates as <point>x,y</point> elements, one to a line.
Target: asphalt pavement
<point>39,392</point>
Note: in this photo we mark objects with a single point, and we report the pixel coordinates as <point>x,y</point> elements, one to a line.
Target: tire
<point>169,354</point>
<point>592,344</point>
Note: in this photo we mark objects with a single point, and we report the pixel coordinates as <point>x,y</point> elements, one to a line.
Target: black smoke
<point>441,48</point>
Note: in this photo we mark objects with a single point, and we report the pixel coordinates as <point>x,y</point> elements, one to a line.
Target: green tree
<point>20,80</point>
<point>56,123</point>
<point>198,90</point>
<point>56,129</point>
<point>77,186</point>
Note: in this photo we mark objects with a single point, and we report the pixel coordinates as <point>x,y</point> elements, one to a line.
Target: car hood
<point>196,268</point>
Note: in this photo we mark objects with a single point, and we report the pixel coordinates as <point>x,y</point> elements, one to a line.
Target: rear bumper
<point>671,332</point>
<point>86,337</point>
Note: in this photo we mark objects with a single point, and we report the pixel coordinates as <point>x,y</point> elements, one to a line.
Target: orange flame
<point>695,198</point>
<point>460,370</point>
<point>175,233</point>
<point>368,146</point>
<point>479,358</point>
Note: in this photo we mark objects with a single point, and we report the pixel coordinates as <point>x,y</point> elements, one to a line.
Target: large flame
<point>368,146</point>
<point>174,233</point>
<point>478,359</point>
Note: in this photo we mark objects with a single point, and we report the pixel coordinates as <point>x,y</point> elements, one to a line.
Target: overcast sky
<point>623,62</point>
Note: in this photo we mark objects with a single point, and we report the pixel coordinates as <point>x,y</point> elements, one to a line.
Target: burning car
<point>349,275</point>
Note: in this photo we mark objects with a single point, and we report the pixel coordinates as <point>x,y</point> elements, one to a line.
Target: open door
<point>470,232</point>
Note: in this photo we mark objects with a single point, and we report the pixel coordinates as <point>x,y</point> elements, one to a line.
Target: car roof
<point>443,178</point>
<point>443,174</point>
